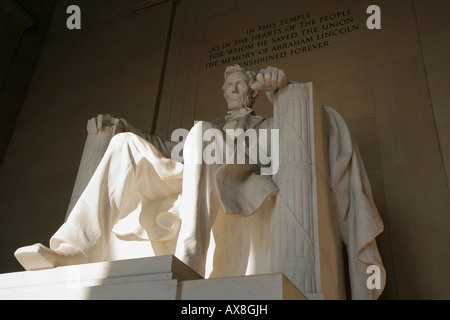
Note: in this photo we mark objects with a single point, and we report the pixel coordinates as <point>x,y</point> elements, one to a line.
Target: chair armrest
<point>94,149</point>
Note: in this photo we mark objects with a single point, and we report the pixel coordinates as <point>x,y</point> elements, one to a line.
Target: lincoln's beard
<point>236,104</point>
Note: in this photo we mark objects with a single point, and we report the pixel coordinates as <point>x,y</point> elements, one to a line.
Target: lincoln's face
<point>237,91</point>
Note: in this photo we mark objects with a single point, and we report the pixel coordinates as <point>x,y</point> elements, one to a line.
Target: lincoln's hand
<point>270,79</point>
<point>97,123</point>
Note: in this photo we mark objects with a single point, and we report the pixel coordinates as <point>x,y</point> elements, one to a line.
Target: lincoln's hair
<point>237,68</point>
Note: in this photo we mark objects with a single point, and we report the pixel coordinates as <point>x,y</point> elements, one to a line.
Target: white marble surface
<point>257,287</point>
<point>155,278</point>
<point>85,276</point>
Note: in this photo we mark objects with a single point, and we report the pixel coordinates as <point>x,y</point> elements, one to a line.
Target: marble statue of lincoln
<point>145,189</point>
<point>137,171</point>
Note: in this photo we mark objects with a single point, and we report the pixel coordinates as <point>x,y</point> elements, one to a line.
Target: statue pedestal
<point>153,278</point>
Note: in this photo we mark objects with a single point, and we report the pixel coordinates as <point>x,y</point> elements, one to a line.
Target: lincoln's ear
<point>255,93</point>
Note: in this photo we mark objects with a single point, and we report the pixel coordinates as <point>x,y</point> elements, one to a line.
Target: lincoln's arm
<point>105,120</point>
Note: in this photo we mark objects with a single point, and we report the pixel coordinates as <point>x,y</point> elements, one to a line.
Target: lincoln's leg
<point>200,202</point>
<point>84,236</point>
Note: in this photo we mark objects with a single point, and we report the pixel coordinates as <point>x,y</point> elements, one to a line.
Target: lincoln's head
<point>237,87</point>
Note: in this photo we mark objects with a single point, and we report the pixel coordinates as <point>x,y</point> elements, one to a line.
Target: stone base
<point>154,278</point>
<point>256,287</point>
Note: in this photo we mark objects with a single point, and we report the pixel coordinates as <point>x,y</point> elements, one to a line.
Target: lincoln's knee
<point>200,127</point>
<point>204,125</point>
<point>121,140</point>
